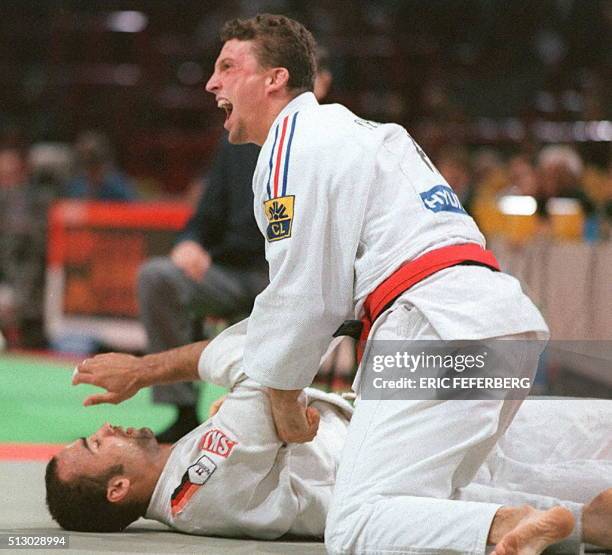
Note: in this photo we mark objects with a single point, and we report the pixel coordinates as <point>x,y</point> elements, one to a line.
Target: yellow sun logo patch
<point>279,213</point>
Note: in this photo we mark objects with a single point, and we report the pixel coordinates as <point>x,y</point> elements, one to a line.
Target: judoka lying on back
<point>231,476</point>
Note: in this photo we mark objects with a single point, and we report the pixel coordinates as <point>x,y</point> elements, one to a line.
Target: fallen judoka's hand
<point>123,375</point>
<point>295,422</point>
<point>120,374</point>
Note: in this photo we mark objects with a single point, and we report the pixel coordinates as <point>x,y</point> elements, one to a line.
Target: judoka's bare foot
<point>527,531</point>
<point>597,520</point>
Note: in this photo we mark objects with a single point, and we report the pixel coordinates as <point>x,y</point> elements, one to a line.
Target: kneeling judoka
<point>232,476</point>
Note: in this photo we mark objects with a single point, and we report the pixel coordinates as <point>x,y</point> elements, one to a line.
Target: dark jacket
<point>223,222</point>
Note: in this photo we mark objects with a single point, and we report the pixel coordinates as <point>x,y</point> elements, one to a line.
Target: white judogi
<point>343,203</point>
<point>246,484</point>
<point>365,200</point>
<point>232,477</point>
<point>554,447</point>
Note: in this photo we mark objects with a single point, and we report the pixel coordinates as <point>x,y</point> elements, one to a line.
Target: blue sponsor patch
<point>442,198</point>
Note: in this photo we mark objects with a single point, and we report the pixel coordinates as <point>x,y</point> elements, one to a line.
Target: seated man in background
<point>232,476</point>
<point>216,268</point>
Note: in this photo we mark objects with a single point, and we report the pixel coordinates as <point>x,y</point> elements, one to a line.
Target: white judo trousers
<point>406,477</point>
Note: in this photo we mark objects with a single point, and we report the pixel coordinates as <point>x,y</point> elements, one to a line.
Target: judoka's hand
<point>119,374</point>
<point>294,421</point>
<point>192,259</point>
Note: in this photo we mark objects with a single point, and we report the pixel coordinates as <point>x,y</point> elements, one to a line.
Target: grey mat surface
<point>23,511</point>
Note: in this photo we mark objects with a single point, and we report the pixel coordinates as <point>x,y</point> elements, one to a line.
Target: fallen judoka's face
<point>133,449</point>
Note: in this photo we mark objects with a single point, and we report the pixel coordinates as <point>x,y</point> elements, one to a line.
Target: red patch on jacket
<point>215,441</point>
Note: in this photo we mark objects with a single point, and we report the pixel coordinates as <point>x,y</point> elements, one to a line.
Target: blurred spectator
<point>24,202</point>
<point>216,268</point>
<point>454,164</point>
<point>324,76</point>
<point>12,184</point>
<point>560,170</point>
<point>51,164</point>
<point>489,178</point>
<point>12,169</point>
<point>97,178</point>
<point>489,171</point>
<point>522,177</point>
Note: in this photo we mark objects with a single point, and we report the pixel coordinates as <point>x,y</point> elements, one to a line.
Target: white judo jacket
<point>232,477</point>
<point>342,203</point>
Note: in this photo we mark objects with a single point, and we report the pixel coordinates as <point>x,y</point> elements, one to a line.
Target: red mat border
<point>28,451</point>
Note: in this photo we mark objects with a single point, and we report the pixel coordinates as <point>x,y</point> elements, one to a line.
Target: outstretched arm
<point>124,375</point>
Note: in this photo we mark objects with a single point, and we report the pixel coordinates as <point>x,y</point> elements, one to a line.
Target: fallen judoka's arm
<point>123,375</point>
<point>218,361</point>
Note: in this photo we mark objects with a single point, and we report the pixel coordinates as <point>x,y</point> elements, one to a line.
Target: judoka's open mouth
<point>226,105</point>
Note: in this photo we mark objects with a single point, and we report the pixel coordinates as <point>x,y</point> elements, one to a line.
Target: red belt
<point>408,275</point>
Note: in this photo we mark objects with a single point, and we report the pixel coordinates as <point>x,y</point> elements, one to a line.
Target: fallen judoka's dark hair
<point>81,505</point>
<point>279,42</point>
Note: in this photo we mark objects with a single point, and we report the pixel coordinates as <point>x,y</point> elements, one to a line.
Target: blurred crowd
<point>510,99</point>
<point>30,181</point>
<point>553,181</point>
<point>483,178</point>
<point>470,72</point>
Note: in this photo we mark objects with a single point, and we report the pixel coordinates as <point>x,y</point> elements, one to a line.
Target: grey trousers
<point>170,303</point>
